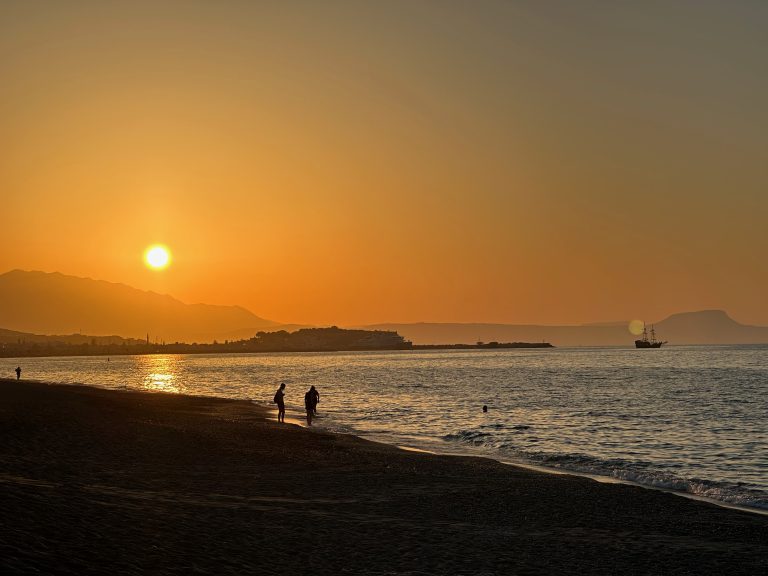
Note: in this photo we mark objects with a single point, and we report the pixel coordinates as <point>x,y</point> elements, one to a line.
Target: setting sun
<point>157,257</point>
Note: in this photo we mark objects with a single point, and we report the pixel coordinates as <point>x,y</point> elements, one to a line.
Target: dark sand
<point>95,481</point>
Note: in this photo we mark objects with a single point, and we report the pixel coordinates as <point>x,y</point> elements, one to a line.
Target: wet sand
<point>97,481</point>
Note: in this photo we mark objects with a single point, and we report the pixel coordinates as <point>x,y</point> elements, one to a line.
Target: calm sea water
<point>692,419</point>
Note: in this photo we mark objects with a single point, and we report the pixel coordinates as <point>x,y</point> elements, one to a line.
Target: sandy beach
<point>97,481</point>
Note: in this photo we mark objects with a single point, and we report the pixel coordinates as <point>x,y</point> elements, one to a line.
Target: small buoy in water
<point>485,408</point>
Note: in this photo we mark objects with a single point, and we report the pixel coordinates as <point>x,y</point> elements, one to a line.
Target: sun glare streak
<point>157,257</point>
<point>160,374</point>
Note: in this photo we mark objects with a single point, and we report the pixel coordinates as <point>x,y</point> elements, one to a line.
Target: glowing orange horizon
<point>356,164</point>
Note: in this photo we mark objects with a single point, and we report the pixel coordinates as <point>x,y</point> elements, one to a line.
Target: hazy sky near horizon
<point>358,162</point>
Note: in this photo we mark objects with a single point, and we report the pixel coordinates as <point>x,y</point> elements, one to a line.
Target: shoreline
<point>165,351</point>
<point>414,348</point>
<point>596,477</point>
<point>147,481</point>
<point>297,419</point>
<point>469,452</point>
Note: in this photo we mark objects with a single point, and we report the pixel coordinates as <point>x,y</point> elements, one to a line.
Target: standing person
<point>316,399</point>
<point>279,399</point>
<point>18,372</point>
<point>311,398</point>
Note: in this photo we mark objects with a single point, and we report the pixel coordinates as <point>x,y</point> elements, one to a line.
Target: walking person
<point>279,399</point>
<point>316,399</point>
<point>18,372</point>
<point>311,398</point>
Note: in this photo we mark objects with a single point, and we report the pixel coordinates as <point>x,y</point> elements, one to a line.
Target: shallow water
<point>687,418</point>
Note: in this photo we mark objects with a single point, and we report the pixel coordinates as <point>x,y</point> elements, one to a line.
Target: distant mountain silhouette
<point>709,327</point>
<point>15,337</point>
<point>703,327</point>
<point>53,303</point>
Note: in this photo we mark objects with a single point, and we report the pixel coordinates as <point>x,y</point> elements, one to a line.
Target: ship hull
<point>647,344</point>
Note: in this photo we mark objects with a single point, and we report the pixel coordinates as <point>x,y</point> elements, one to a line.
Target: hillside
<point>710,327</point>
<point>53,303</point>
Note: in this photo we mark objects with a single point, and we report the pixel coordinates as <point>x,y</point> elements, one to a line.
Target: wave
<point>474,437</point>
<point>625,470</point>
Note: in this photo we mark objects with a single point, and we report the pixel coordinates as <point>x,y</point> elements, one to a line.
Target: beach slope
<point>98,481</point>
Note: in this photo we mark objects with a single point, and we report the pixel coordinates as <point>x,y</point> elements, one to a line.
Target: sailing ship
<point>651,342</point>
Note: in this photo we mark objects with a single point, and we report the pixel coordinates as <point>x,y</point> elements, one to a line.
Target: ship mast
<point>645,333</point>
<point>653,335</point>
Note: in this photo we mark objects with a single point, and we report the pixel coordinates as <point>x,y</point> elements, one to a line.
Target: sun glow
<point>157,257</point>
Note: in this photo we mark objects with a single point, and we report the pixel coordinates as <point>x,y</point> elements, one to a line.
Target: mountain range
<point>54,303</point>
<point>701,327</point>
<point>15,337</point>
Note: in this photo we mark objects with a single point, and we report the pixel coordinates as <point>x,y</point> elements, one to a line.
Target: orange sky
<point>349,163</point>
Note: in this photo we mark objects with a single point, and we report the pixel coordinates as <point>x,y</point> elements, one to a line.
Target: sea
<point>691,419</point>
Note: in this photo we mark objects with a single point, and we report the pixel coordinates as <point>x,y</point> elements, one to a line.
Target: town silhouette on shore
<point>331,339</point>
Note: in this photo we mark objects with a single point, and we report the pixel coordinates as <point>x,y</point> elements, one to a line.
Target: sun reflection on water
<point>160,374</point>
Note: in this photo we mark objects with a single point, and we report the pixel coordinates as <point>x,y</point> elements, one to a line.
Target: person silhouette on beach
<point>311,398</point>
<point>315,400</point>
<point>18,372</point>
<point>279,399</point>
